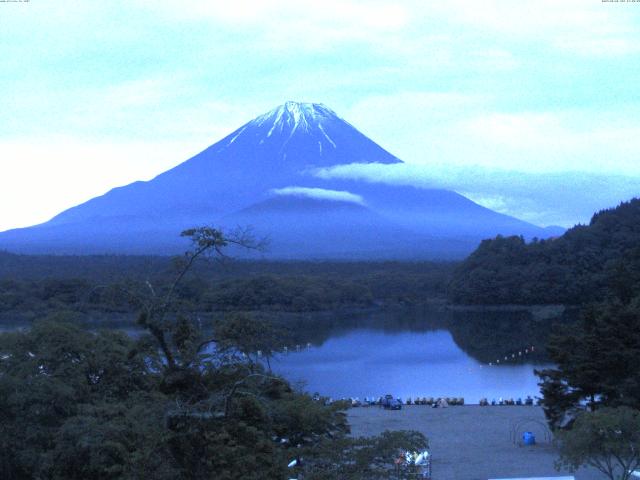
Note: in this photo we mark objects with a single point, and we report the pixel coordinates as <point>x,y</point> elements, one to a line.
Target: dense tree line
<point>110,267</point>
<point>490,336</point>
<point>324,286</point>
<point>576,268</point>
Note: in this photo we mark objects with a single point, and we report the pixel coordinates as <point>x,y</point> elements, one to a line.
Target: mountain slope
<point>240,169</point>
<point>334,229</point>
<point>264,166</point>
<point>581,266</point>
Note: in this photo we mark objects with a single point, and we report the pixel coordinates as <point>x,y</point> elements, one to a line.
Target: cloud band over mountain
<point>563,198</point>
<point>320,194</point>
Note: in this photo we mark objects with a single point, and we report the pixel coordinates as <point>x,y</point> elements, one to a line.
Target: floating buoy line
<point>514,355</point>
<point>507,358</point>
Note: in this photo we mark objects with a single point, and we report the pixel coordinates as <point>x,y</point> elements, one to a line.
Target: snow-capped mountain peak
<point>295,115</point>
<point>303,135</point>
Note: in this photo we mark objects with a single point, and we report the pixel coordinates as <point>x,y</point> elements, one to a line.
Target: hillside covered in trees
<point>581,266</point>
<point>33,287</point>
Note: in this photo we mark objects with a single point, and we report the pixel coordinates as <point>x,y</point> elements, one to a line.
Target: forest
<point>579,267</point>
<point>33,286</point>
<point>78,404</point>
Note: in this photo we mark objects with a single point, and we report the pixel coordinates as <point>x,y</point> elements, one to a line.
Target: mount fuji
<point>263,175</point>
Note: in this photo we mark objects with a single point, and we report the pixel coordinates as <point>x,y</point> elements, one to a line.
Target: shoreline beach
<point>472,442</point>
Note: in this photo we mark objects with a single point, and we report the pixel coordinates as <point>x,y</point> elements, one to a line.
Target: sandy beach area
<point>473,442</point>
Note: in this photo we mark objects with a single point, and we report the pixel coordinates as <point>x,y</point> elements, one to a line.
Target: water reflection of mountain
<point>317,327</point>
<point>485,335</point>
<point>494,336</point>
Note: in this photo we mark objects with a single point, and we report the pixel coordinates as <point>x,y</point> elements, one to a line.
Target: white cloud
<point>495,59</point>
<point>498,203</point>
<point>320,193</point>
<point>587,28</point>
<point>533,17</point>
<point>563,198</point>
<point>292,24</point>
<point>432,128</point>
<point>408,28</point>
<point>416,126</point>
<point>557,141</point>
<point>607,46</point>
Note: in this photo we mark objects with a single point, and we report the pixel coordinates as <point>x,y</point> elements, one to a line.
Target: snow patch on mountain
<point>233,139</point>
<point>276,122</point>
<point>326,136</point>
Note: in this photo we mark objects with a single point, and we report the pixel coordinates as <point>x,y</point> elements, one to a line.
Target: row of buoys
<point>514,355</point>
<point>508,357</point>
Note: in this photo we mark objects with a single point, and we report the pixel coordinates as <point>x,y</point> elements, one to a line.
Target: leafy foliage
<point>607,439</point>
<point>174,403</point>
<point>596,361</point>
<point>240,333</point>
<point>363,458</point>
<point>579,267</point>
<point>69,394</point>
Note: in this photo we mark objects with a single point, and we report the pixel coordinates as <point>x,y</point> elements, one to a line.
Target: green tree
<point>75,404</point>
<point>364,458</point>
<point>252,338</point>
<point>596,361</point>
<point>607,439</point>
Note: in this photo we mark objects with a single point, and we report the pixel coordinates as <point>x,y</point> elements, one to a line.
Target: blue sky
<point>529,107</point>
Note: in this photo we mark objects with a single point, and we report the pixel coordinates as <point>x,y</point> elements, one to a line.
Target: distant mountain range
<point>262,175</point>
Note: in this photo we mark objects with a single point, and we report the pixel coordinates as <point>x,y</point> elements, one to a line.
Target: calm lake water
<point>365,362</point>
<point>409,353</point>
<point>425,354</point>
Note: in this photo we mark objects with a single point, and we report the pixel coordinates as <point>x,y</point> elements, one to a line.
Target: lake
<point>408,352</point>
<point>433,354</point>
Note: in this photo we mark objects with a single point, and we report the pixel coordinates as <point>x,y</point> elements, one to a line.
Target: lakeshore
<point>472,442</point>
